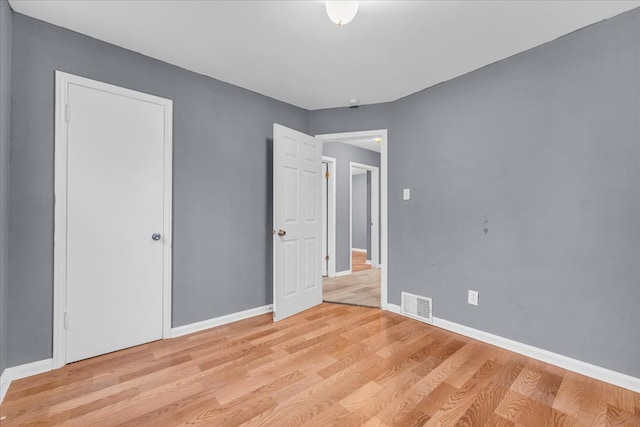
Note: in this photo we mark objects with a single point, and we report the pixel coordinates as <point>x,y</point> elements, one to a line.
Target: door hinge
<point>326,175</point>
<point>66,320</point>
<point>326,258</point>
<point>67,113</point>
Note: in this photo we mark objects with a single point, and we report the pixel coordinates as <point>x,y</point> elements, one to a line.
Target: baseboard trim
<point>394,308</point>
<point>4,384</point>
<point>343,273</point>
<point>219,321</point>
<point>359,250</point>
<point>584,368</point>
<point>22,371</point>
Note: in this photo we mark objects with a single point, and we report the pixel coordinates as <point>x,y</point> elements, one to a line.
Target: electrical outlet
<point>473,297</point>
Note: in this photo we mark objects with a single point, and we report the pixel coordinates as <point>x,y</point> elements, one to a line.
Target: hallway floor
<point>359,261</point>
<point>361,288</point>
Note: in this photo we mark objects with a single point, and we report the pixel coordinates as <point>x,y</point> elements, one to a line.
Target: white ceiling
<point>291,51</point>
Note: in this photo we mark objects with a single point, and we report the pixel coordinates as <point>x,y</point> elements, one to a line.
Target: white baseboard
<point>394,308</point>
<point>343,273</point>
<point>22,371</point>
<point>4,384</point>
<point>584,368</point>
<point>359,250</point>
<point>219,321</point>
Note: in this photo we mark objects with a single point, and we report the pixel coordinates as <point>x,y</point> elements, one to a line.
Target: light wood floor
<point>361,288</point>
<point>333,365</point>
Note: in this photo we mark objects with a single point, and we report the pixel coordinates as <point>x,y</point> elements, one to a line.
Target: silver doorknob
<point>281,233</point>
<point>156,236</point>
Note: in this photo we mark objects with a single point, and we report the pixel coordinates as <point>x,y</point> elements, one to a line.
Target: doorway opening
<point>364,227</point>
<point>358,192</point>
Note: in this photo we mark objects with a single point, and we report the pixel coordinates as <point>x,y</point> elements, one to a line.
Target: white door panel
<point>114,205</point>
<point>297,171</point>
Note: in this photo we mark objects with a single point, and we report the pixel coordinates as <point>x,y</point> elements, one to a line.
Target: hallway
<point>360,288</point>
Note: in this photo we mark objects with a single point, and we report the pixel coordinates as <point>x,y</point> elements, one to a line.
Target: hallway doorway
<point>358,240</point>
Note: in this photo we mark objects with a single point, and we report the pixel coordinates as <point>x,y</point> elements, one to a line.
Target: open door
<point>297,222</point>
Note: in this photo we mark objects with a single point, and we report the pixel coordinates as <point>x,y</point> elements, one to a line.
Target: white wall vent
<point>417,307</point>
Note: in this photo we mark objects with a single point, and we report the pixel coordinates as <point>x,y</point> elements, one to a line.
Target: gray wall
<point>545,145</point>
<point>359,211</point>
<point>222,180</point>
<point>6,20</point>
<point>344,153</point>
<point>335,120</point>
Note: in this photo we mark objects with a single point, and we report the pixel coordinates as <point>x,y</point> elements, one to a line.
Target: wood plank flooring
<point>333,365</point>
<point>359,261</point>
<point>361,288</point>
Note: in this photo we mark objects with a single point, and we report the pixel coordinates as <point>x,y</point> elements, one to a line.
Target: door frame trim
<point>331,215</point>
<point>384,197</point>
<point>62,81</point>
<point>375,206</point>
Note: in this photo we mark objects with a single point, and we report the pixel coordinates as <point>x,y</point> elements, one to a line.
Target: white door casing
<point>112,282</point>
<point>329,224</point>
<point>297,222</point>
<point>325,218</point>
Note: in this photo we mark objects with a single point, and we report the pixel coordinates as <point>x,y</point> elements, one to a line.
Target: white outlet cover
<point>406,194</point>
<point>473,297</point>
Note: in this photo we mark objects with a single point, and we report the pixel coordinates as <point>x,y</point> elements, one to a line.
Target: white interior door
<point>297,222</point>
<point>115,220</point>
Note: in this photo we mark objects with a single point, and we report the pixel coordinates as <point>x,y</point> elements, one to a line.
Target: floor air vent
<point>417,307</point>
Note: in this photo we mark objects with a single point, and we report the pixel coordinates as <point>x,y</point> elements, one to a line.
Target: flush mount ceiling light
<point>342,12</point>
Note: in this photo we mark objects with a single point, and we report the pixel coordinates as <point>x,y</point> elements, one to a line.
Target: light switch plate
<point>473,297</point>
<point>406,194</point>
